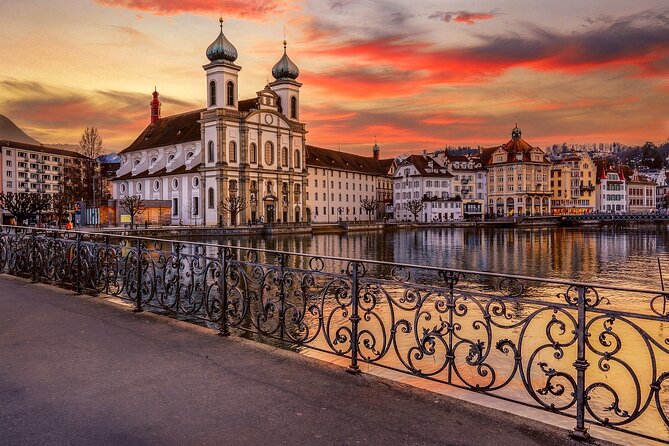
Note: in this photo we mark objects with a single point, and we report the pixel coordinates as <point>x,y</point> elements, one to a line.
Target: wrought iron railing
<point>597,353</point>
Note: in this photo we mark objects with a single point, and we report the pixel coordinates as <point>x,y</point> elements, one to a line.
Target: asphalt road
<point>78,370</point>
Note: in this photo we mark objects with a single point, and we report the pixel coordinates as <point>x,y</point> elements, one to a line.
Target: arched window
<point>231,93</point>
<point>293,107</point>
<point>211,197</point>
<point>284,156</point>
<point>233,152</point>
<point>297,161</point>
<point>212,93</point>
<point>269,153</point>
<point>253,153</point>
<point>210,151</point>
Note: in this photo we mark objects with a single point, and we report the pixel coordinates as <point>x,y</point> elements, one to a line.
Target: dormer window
<point>170,158</point>
<point>153,161</point>
<point>137,162</point>
<point>189,156</point>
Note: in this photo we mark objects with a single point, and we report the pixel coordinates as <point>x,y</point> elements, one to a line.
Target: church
<point>235,150</point>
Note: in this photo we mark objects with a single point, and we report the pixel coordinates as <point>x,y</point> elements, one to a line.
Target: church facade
<point>231,162</point>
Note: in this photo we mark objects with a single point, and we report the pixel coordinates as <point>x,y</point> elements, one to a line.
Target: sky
<point>414,75</point>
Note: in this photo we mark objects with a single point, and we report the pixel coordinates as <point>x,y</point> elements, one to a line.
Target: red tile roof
<point>421,163</point>
<point>332,159</point>
<point>169,130</point>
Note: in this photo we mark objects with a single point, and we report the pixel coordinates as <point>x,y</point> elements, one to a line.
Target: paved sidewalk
<point>79,370</point>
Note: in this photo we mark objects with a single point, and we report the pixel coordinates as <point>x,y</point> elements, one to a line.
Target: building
<point>611,190</point>
<point>572,179</point>
<point>518,183</point>
<point>469,181</point>
<point>31,168</point>
<point>421,179</point>
<point>641,194</point>
<point>249,152</point>
<point>340,184</point>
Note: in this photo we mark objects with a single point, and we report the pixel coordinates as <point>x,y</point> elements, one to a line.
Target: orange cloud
<point>466,17</point>
<point>236,8</point>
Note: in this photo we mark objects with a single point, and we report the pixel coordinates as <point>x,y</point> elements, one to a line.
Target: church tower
<point>222,73</point>
<point>285,73</point>
<point>155,107</point>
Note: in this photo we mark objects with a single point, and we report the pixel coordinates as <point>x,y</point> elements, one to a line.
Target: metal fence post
<point>77,258</point>
<point>138,299</point>
<point>355,319</point>
<point>33,255</point>
<point>223,286</point>
<point>581,364</point>
<point>282,295</point>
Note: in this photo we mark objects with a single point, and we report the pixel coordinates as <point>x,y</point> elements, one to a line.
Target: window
<point>139,186</point>
<point>210,151</point>
<point>153,161</point>
<point>175,184</point>
<point>156,185</point>
<point>9,163</point>
<point>297,161</point>
<point>196,206</point>
<point>233,152</point>
<point>231,93</point>
<point>196,182</point>
<point>122,188</point>
<point>284,156</point>
<point>269,153</point>
<point>293,107</point>
<point>253,153</point>
<point>211,197</point>
<point>212,95</point>
<point>175,207</point>
<point>170,158</point>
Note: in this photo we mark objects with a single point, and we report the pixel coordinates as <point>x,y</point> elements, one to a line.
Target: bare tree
<point>133,205</point>
<point>61,203</point>
<point>24,205</point>
<point>90,144</point>
<point>370,205</point>
<point>414,207</point>
<point>233,205</point>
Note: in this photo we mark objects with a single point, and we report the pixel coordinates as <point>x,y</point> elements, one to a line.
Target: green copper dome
<point>221,48</point>
<point>285,68</point>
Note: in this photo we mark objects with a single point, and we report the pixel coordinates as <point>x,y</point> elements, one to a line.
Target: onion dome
<point>221,48</point>
<point>285,68</point>
<point>515,133</point>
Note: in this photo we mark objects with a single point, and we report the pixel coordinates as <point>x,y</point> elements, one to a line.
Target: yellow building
<point>573,180</point>
<point>517,178</point>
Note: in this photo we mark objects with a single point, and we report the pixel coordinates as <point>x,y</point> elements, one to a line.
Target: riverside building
<point>611,190</point>
<point>250,148</point>
<point>518,183</point>
<point>573,179</point>
<point>31,168</point>
<point>340,183</point>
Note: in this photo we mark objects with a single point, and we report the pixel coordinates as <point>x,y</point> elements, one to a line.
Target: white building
<point>611,190</point>
<point>641,194</point>
<point>469,181</point>
<point>419,178</point>
<point>340,182</point>
<point>253,148</point>
<point>30,168</point>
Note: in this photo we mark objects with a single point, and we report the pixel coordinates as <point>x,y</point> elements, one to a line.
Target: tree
<point>90,144</point>
<point>233,205</point>
<point>61,203</point>
<point>370,205</point>
<point>414,207</point>
<point>133,205</point>
<point>24,205</point>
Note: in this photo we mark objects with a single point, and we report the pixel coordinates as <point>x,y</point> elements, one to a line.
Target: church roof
<point>41,149</point>
<point>333,159</point>
<point>169,130</point>
<point>158,173</point>
<point>514,146</point>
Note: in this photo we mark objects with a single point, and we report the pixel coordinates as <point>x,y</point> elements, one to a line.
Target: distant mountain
<point>11,132</point>
<point>110,158</point>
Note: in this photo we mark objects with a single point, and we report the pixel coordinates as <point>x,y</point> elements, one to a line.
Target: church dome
<point>285,68</point>
<point>221,48</point>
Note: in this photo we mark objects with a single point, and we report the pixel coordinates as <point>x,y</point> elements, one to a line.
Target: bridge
<point>594,356</point>
<point>600,217</point>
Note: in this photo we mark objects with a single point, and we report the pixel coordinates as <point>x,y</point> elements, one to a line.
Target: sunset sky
<point>415,74</point>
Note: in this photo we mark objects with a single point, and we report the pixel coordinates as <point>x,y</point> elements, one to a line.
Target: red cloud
<point>466,17</point>
<point>235,8</point>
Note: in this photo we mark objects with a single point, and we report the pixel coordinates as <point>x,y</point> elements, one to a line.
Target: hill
<point>11,132</point>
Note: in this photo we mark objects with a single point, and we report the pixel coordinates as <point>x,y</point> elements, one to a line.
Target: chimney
<point>155,107</point>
